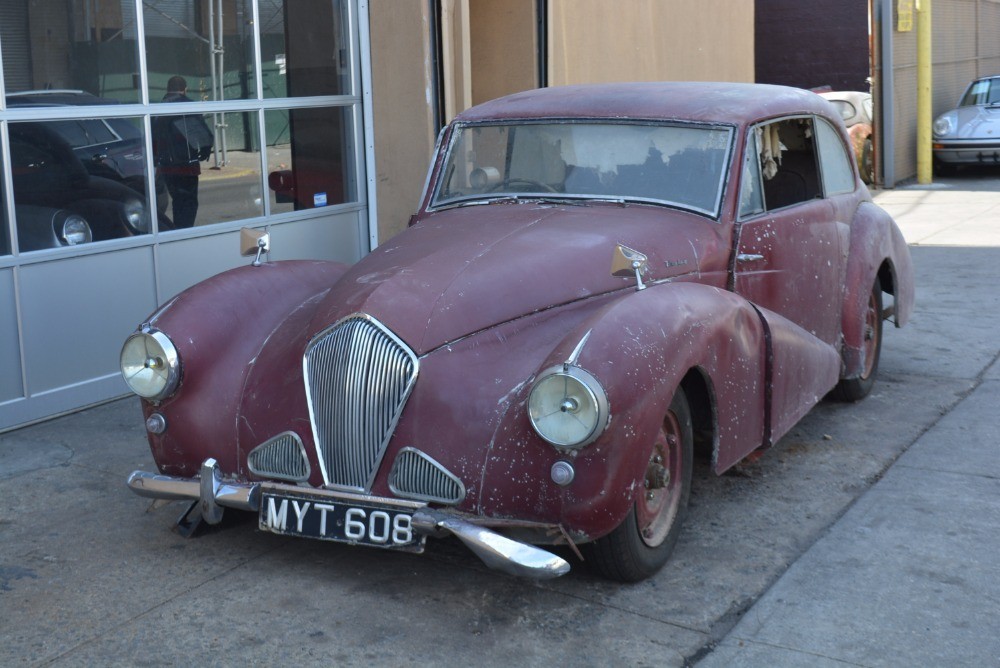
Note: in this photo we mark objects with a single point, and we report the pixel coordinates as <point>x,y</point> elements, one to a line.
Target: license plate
<point>345,521</point>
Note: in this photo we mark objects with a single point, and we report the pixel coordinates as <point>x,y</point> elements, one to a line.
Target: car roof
<point>715,102</point>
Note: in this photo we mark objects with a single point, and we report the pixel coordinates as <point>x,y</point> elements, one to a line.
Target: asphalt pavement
<point>910,575</point>
<point>866,537</point>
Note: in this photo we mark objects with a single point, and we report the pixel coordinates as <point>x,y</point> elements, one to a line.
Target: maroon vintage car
<point>599,280</point>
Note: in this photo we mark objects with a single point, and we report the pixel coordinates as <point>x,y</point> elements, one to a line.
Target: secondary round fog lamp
<point>150,364</point>
<point>568,407</point>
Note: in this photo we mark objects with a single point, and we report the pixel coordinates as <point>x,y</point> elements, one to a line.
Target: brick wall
<point>812,44</point>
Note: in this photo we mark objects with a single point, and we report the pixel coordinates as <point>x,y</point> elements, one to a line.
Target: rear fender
<point>877,249</point>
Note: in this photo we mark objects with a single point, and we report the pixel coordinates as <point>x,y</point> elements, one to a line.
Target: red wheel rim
<point>656,508</point>
<point>870,344</point>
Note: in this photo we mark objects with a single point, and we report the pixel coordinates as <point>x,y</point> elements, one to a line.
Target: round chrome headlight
<point>150,364</point>
<point>75,230</point>
<point>568,407</point>
<point>135,215</point>
<point>944,125</point>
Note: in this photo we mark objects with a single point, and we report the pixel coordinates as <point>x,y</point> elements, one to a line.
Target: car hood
<point>978,123</point>
<point>462,270</point>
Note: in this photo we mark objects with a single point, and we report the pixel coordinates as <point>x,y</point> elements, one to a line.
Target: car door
<point>790,261</point>
<point>791,238</point>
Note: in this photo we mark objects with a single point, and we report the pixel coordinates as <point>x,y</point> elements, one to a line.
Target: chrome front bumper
<point>212,495</point>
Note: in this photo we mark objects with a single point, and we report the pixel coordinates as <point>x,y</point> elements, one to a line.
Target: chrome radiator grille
<point>417,476</point>
<point>282,457</point>
<point>358,377</point>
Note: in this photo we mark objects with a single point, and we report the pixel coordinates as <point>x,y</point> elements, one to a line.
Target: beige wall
<point>965,45</point>
<point>489,48</point>
<point>643,40</point>
<point>504,47</point>
<point>402,94</point>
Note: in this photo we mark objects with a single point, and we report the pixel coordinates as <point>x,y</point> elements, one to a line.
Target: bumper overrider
<point>343,517</point>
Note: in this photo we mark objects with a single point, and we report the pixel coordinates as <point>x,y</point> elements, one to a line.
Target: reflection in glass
<point>202,195</point>
<point>4,226</point>
<point>310,158</point>
<point>78,181</point>
<point>88,45</point>
<point>317,61</point>
<point>209,43</point>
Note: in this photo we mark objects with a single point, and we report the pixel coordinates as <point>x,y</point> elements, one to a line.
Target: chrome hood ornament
<point>254,242</point>
<point>626,261</point>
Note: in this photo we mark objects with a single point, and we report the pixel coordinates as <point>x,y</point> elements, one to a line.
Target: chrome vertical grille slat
<point>358,376</point>
<point>415,475</point>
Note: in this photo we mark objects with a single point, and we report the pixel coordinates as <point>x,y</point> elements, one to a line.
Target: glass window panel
<point>751,200</point>
<point>207,43</point>
<point>310,158</point>
<point>305,49</point>
<point>70,189</point>
<point>226,187</point>
<point>838,177</point>
<point>87,45</point>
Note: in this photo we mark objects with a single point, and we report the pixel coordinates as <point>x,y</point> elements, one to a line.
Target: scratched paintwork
<point>488,296</point>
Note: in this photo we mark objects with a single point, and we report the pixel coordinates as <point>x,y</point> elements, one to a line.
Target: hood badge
<point>627,261</point>
<point>254,242</point>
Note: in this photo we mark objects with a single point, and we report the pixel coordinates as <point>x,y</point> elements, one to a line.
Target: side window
<point>838,176</point>
<point>788,162</point>
<point>751,197</point>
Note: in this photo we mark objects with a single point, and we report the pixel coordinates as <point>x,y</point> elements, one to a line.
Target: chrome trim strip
<point>353,429</point>
<point>407,479</point>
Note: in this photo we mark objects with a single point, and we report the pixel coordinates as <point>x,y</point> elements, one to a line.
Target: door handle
<point>749,257</point>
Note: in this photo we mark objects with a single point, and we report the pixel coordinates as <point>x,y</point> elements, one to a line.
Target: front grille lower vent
<point>358,376</point>
<point>282,457</point>
<point>417,476</point>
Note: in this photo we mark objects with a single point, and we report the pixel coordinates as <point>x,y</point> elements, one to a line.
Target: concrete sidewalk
<point>909,576</point>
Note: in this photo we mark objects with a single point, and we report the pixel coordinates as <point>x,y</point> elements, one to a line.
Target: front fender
<point>640,346</point>
<point>218,327</point>
<point>877,248</point>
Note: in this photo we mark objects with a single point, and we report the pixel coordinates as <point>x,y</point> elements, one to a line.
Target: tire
<point>868,162</point>
<point>642,543</point>
<point>855,389</point>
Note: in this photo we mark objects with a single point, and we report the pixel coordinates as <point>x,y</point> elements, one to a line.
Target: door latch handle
<point>748,257</point>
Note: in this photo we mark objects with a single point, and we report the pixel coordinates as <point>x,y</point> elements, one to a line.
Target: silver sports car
<point>970,134</point>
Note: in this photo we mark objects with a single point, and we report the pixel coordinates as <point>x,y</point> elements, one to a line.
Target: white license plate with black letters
<point>347,521</point>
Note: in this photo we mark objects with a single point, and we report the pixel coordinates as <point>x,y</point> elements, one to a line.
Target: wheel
<point>867,162</point>
<point>855,389</point>
<point>641,544</point>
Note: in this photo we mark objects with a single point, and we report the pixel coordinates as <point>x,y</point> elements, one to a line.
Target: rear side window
<point>838,176</point>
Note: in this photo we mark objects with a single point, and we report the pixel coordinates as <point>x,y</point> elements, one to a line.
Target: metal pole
<point>220,48</point>
<point>887,99</point>
<point>211,57</point>
<point>924,82</point>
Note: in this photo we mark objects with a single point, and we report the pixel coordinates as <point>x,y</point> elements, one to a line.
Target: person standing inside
<point>180,143</point>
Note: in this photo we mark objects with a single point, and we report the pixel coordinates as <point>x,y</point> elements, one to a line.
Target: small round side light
<point>156,424</point>
<point>562,473</point>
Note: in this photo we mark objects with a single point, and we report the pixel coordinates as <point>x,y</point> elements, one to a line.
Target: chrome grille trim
<point>415,475</point>
<point>358,376</point>
<point>282,457</point>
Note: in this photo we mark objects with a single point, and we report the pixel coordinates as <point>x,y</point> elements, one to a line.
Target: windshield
<point>986,91</point>
<point>681,165</point>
